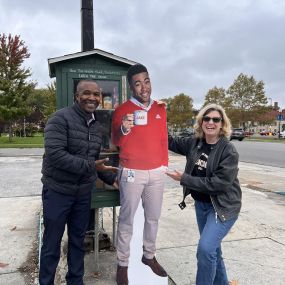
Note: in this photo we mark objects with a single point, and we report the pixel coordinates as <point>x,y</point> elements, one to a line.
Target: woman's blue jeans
<point>210,265</point>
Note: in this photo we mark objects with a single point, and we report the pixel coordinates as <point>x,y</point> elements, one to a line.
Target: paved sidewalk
<point>254,250</point>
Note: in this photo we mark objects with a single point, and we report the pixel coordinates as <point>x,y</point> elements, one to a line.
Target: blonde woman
<point>210,177</point>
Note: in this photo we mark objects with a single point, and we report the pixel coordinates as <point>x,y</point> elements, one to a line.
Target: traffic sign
<point>279,117</point>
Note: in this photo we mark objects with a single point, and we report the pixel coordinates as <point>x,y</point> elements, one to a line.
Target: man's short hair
<point>135,69</point>
<point>78,86</point>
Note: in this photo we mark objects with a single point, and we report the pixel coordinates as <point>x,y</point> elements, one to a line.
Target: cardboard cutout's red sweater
<point>145,147</point>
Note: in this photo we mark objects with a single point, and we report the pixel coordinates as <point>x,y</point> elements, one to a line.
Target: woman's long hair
<point>226,123</point>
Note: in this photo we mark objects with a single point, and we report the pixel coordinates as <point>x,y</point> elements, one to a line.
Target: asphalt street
<point>265,153</point>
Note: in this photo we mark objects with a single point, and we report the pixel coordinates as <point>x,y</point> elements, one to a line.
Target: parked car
<point>237,134</point>
<point>267,133</point>
<point>248,133</point>
<point>282,135</point>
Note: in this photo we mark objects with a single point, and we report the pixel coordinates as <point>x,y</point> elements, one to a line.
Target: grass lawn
<point>266,139</point>
<point>23,142</point>
<point>38,141</point>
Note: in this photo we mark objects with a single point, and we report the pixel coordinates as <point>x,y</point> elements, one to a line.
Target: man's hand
<point>128,122</point>
<point>100,166</point>
<point>176,175</point>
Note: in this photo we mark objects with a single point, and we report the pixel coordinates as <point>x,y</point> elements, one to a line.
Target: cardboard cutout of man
<point>143,160</point>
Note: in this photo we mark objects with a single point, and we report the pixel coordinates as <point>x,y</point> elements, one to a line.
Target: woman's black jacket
<point>221,181</point>
<point>71,147</point>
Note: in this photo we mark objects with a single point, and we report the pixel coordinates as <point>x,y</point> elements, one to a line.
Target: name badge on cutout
<point>131,176</point>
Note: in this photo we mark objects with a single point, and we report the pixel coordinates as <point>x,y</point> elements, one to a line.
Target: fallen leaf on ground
<point>13,228</point>
<point>2,265</point>
<point>96,274</point>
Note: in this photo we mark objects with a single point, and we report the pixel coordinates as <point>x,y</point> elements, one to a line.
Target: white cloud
<point>188,46</point>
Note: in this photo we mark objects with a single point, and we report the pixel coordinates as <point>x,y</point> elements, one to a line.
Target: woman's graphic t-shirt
<point>200,171</point>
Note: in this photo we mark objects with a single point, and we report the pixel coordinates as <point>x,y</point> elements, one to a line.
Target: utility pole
<point>24,134</point>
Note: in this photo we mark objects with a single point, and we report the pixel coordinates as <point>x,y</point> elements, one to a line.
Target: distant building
<point>268,122</point>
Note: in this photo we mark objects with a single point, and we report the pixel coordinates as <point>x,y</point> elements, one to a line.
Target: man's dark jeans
<point>59,210</point>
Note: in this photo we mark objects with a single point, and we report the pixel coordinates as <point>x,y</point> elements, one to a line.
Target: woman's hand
<point>160,102</point>
<point>176,175</point>
<point>116,184</point>
<point>100,166</point>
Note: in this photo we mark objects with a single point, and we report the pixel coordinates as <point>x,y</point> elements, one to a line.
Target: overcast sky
<point>188,46</point>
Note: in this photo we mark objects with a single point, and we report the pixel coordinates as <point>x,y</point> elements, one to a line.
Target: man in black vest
<point>73,139</point>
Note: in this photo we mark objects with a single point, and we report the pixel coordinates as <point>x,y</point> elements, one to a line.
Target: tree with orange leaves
<point>14,84</point>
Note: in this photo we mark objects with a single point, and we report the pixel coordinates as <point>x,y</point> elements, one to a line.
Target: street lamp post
<point>279,130</point>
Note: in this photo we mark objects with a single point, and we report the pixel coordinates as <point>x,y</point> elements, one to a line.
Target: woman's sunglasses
<point>214,119</point>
